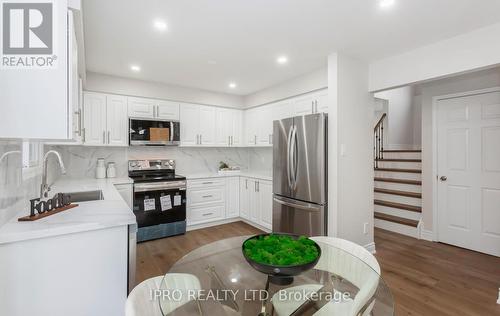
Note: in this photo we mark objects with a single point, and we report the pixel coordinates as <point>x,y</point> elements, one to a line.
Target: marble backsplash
<point>80,161</point>
<point>15,189</point>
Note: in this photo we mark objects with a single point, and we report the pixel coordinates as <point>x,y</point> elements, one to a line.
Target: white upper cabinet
<point>94,132</point>
<point>167,110</point>
<point>105,121</point>
<point>198,125</point>
<point>321,101</point>
<point>34,102</point>
<point>153,109</point>
<point>116,120</point>
<point>251,127</point>
<point>282,109</point>
<point>264,125</point>
<point>228,127</point>
<point>303,105</point>
<point>190,122</point>
<point>141,108</point>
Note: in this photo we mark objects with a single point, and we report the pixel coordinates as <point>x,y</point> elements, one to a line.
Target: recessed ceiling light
<point>232,85</point>
<point>386,3</point>
<point>234,280</point>
<point>135,68</point>
<point>282,60</point>
<point>160,25</point>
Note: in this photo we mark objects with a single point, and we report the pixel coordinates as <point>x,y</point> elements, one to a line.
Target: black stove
<point>159,198</point>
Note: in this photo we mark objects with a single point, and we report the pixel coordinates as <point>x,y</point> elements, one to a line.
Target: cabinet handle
<point>197,139</point>
<point>232,140</point>
<point>157,111</point>
<point>255,186</point>
<point>83,136</point>
<point>255,139</point>
<point>207,183</point>
<point>79,129</point>
<point>316,104</point>
<point>246,183</point>
<point>258,186</point>
<point>270,139</point>
<point>312,106</point>
<point>201,139</point>
<point>207,214</point>
<point>109,137</point>
<point>207,196</point>
<point>229,140</point>
<point>104,137</point>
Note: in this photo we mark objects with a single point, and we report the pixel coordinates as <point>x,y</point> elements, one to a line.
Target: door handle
<point>302,205</point>
<point>443,178</point>
<point>288,156</point>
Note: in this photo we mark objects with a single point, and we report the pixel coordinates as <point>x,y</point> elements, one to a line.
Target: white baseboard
<point>426,234</point>
<point>255,225</point>
<point>371,247</point>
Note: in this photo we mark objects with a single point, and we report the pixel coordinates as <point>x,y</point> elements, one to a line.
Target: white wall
<point>132,87</point>
<point>469,82</point>
<point>306,83</point>
<point>470,51</point>
<point>400,117</point>
<point>350,131</point>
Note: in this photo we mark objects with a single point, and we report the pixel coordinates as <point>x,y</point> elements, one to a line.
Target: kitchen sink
<point>84,196</point>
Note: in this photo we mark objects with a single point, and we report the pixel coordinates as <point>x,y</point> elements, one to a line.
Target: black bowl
<point>282,275</point>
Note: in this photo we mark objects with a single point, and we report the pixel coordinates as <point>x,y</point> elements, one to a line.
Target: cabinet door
<point>244,198</point>
<point>237,128</point>
<point>265,193</point>
<point>223,127</point>
<point>265,125</point>
<point>232,197</point>
<point>95,119</point>
<point>141,108</point>
<point>117,120</point>
<point>74,82</point>
<point>250,127</point>
<point>321,101</point>
<point>167,110</point>
<point>207,125</point>
<point>254,201</point>
<point>190,124</point>
<point>283,109</point>
<point>303,105</point>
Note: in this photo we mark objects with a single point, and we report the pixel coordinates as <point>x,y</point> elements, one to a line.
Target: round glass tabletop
<point>215,279</point>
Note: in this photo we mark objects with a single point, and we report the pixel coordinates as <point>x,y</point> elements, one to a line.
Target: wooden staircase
<point>398,187</point>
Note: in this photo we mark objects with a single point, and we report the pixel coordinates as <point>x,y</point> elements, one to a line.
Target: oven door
<point>152,132</point>
<point>159,202</point>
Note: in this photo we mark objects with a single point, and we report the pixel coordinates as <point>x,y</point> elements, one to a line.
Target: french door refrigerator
<point>300,175</point>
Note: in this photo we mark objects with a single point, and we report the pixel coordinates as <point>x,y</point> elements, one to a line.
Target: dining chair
<point>141,301</point>
<point>338,260</point>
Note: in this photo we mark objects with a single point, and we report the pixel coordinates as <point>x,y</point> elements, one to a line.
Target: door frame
<point>435,171</point>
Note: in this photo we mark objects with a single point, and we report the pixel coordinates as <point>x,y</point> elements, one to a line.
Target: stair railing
<point>378,140</point>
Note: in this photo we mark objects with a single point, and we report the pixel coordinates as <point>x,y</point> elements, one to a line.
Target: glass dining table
<point>343,284</point>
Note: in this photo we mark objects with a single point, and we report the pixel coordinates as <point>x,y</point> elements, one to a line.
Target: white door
<point>232,197</point>
<point>469,172</point>
<point>117,120</point>
<point>207,125</point>
<point>141,108</point>
<point>244,198</point>
<point>94,119</point>
<point>167,110</point>
<point>190,124</point>
<point>265,191</point>
<point>223,127</point>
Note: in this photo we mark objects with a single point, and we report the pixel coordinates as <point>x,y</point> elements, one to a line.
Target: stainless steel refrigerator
<point>300,174</point>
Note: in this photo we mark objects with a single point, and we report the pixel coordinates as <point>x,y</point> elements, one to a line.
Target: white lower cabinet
<point>215,199</point>
<point>256,201</point>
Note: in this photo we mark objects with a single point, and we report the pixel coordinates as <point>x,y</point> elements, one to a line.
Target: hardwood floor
<point>428,278</point>
<point>425,278</point>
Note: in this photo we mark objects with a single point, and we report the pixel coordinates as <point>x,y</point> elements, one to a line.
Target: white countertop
<point>248,174</point>
<point>111,212</point>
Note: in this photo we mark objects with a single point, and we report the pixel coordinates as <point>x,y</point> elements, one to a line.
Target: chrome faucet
<point>45,188</point>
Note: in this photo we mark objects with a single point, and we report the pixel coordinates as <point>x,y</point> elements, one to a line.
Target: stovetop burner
<point>153,170</point>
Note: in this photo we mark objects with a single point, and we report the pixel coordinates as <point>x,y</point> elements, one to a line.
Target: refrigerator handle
<point>302,206</point>
<point>288,162</point>
<point>293,157</point>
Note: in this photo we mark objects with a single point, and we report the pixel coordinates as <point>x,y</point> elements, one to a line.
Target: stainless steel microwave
<point>153,132</point>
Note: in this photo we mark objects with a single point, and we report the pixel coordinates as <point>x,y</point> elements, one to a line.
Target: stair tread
<point>411,208</point>
<point>402,150</point>
<point>402,181</point>
<point>398,192</point>
<point>396,219</point>
<point>399,170</point>
<point>398,160</point>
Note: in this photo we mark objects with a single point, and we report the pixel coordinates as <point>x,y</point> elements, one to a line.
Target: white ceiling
<point>244,37</point>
